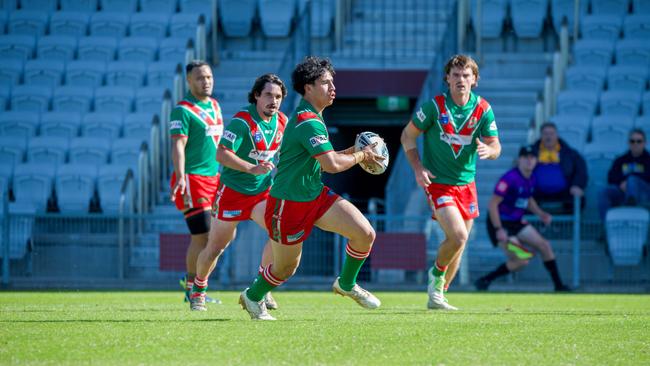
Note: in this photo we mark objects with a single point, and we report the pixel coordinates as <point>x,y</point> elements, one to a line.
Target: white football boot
<point>257,310</point>
<point>270,302</point>
<point>436,292</point>
<point>358,294</point>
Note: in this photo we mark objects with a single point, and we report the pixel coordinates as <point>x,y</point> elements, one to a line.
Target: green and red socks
<point>264,283</point>
<point>199,287</point>
<point>438,270</point>
<point>354,259</point>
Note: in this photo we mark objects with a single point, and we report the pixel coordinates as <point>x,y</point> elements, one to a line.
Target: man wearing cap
<point>507,228</point>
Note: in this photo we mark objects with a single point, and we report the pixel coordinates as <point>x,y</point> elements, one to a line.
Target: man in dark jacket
<point>629,176</point>
<point>560,174</point>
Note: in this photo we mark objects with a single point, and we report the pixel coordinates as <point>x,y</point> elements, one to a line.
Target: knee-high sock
<point>351,267</point>
<point>264,283</point>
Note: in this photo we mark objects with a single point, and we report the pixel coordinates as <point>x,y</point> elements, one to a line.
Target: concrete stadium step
<point>498,84</point>
<point>252,55</point>
<point>509,122</point>
<point>516,65</point>
<point>509,97</point>
<point>526,112</point>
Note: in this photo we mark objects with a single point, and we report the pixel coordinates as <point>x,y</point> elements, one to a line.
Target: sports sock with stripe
<point>264,283</point>
<point>354,259</point>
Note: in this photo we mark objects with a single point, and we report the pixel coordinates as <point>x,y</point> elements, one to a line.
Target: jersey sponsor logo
<point>296,236</point>
<point>493,126</point>
<point>318,140</point>
<point>230,136</point>
<point>472,122</point>
<point>175,125</point>
<point>278,138</point>
<point>420,114</point>
<point>455,139</point>
<point>444,118</point>
<point>444,199</point>
<point>502,187</point>
<point>265,155</point>
<point>231,213</point>
<point>214,130</point>
<point>203,115</point>
<point>459,116</point>
<point>521,203</point>
<point>258,136</point>
<point>472,207</point>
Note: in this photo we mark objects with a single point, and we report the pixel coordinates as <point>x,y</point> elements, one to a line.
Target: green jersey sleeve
<point>234,134</point>
<point>314,138</point>
<point>178,123</point>
<point>424,117</point>
<point>489,125</point>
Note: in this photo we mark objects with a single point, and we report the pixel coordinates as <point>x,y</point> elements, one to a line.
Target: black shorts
<point>512,227</point>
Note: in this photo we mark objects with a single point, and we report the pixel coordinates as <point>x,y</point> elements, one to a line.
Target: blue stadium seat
<point>643,122</point>
<point>158,6</point>
<point>571,120</point>
<point>109,24</point>
<point>641,6</point>
<point>10,72</point>
<point>149,99</point>
<point>107,124</point>
<point>57,47</point>
<point>12,150</point>
<point>47,149</point>
<point>172,49</point>
<point>580,77</point>
<point>72,99</point>
<point>85,73</point>
<point>32,184</point>
<point>79,5</point>
<point>198,7</point>
<point>627,234</point>
<point>109,185</point>
<point>41,5</point>
<point>637,26</point>
<point>9,5</point>
<point>128,6</point>
<point>60,124</point>
<point>137,125</point>
<point>114,99</point>
<point>6,175</point>
<point>184,25</point>
<point>43,72</point>
<point>611,7</point>
<point>69,23</point>
<point>90,150</point>
<point>645,100</point>
<point>126,73</point>
<point>4,17</point>
<point>19,124</point>
<point>322,15</point>
<point>593,52</point>
<point>621,103</point>
<point>126,151</point>
<point>237,16</point>
<point>565,8</point>
<point>17,47</point>
<point>602,26</point>
<point>611,128</point>
<point>149,25</point>
<point>30,98</point>
<point>575,136</point>
<point>5,93</point>
<point>633,52</point>
<point>161,73</point>
<point>138,49</point>
<point>528,17</point>
<point>631,78</point>
<point>572,102</point>
<point>75,187</point>
<point>28,22</point>
<point>276,17</point>
<point>97,48</point>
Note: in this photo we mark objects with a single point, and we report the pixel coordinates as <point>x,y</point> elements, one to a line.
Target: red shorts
<point>291,222</point>
<point>230,205</point>
<point>200,191</point>
<point>463,197</point>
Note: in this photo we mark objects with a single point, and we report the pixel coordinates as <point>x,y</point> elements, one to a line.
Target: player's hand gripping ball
<point>368,138</point>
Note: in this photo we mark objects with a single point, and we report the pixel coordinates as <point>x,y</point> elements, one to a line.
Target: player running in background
<point>513,195</point>
<point>299,200</point>
<point>195,127</point>
<point>457,127</point>
<point>246,152</point>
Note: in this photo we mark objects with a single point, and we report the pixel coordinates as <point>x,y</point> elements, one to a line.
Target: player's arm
<point>178,159</point>
<point>495,218</point>
<point>336,162</point>
<point>536,210</point>
<point>229,159</point>
<point>489,148</point>
<point>408,139</point>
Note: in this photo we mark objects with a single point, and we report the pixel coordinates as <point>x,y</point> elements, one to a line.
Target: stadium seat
<point>137,125</point>
<point>27,22</point>
<point>565,8</point>
<point>161,73</point>
<point>97,48</point>
<point>627,233</point>
<point>57,47</point>
<point>79,5</point>
<point>10,73</point>
<point>322,15</point>
<point>108,124</point>
<point>109,185</point>
<point>237,16</point>
<point>611,7</point>
<point>593,52</point>
<point>42,72</point>
<point>60,124</point>
<point>114,99</point>
<point>6,175</point>
<point>125,151</point>
<point>42,5</point>
<point>276,17</point>
<point>198,7</point>
<point>573,102</point>
<point>126,73</point>
<point>149,25</point>
<point>580,77</point>
<point>578,121</point>
<point>621,103</point>
<point>158,6</point>
<point>630,78</point>
<point>30,98</point>
<point>5,93</point>
<point>173,49</point>
<point>138,49</point>
<point>73,99</point>
<point>69,23</point>
<point>643,122</point>
<point>32,184</point>
<point>90,150</point>
<point>645,100</point>
<point>612,129</point>
<point>149,99</point>
<point>75,187</point>
<point>641,7</point>
<point>17,47</point>
<point>127,6</point>
<point>601,26</point>
<point>47,149</point>
<point>109,24</point>
<point>85,73</point>
<point>575,136</point>
<point>12,150</point>
<point>19,124</point>
<point>4,17</point>
<point>599,156</point>
<point>528,17</point>
<point>184,25</point>
<point>637,26</point>
<point>633,52</point>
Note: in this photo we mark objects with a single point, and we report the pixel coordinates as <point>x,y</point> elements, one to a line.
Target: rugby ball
<point>368,138</point>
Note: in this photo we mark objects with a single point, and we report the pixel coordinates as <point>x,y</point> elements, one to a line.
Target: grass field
<point>156,328</point>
